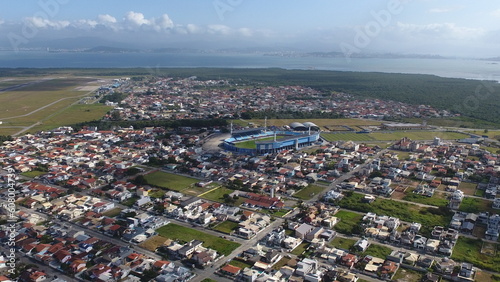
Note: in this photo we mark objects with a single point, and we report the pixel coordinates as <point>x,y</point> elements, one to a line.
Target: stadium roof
<point>246,131</point>
<point>296,125</point>
<point>309,124</point>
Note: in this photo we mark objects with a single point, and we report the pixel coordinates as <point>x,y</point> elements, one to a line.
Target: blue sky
<point>445,27</point>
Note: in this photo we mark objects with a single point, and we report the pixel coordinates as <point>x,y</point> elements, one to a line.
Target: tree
<point>140,180</point>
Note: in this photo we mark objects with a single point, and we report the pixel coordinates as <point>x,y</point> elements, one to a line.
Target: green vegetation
<point>475,205</point>
<point>417,135</point>
<point>469,250</point>
<point>378,251</point>
<point>342,243</point>
<point>300,249</point>
<point>33,173</point>
<point>240,263</point>
<point>44,100</point>
<point>276,213</point>
<point>396,135</point>
<point>406,274</point>
<point>139,124</point>
<point>157,193</point>
<point>282,262</point>
<point>308,192</point>
<point>217,195</point>
<point>440,92</point>
<point>184,234</point>
<point>428,217</point>
<point>462,122</point>
<point>72,115</point>
<point>437,200</point>
<point>331,137</point>
<point>226,226</point>
<point>251,144</point>
<point>113,212</point>
<point>467,187</point>
<point>493,150</point>
<point>208,280</point>
<point>349,222</point>
<point>401,155</point>
<point>169,180</point>
<point>130,201</point>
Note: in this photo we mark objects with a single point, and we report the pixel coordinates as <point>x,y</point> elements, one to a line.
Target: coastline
<point>477,69</point>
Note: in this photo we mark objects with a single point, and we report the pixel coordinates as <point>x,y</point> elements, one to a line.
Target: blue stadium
<point>266,144</point>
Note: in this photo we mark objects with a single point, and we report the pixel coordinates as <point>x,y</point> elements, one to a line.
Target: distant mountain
<point>173,50</point>
<point>73,43</point>
<point>492,59</point>
<point>108,49</point>
<point>335,54</point>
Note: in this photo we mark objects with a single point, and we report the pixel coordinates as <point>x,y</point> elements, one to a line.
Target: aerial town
<point>159,203</point>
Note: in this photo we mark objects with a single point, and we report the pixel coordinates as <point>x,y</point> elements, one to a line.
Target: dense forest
<point>473,98</point>
<point>107,125</point>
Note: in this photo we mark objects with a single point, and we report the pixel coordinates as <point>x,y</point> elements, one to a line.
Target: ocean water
<point>457,68</point>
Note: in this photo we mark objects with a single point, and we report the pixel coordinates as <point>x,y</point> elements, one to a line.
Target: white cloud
<point>219,29</point>
<point>441,31</point>
<point>86,24</point>
<point>105,19</point>
<point>39,22</point>
<point>163,23</point>
<point>192,28</point>
<point>136,19</point>
<point>245,32</point>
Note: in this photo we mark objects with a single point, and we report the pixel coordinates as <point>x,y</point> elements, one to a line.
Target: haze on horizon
<point>445,27</point>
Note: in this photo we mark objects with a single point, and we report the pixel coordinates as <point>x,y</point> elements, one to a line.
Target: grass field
<point>153,243</point>
<point>437,200</point>
<point>300,248</point>
<point>250,144</point>
<point>184,234</point>
<point>392,136</point>
<point>74,114</point>
<point>113,212</point>
<point>217,195</point>
<point>469,250</point>
<point>309,192</point>
<point>33,173</point>
<point>169,180</point>
<point>405,274</point>
<point>493,150</point>
<point>44,101</point>
<point>342,243</point>
<point>428,217</point>
<point>417,135</point>
<point>240,263</point>
<point>226,226</point>
<point>475,205</point>
<point>348,220</point>
<point>401,155</point>
<point>331,137</point>
<point>282,262</point>
<point>468,188</point>
<point>378,251</point>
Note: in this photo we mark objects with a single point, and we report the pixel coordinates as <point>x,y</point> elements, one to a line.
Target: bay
<point>456,68</point>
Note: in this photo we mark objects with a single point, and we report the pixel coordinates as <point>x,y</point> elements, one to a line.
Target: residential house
<point>303,230</point>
